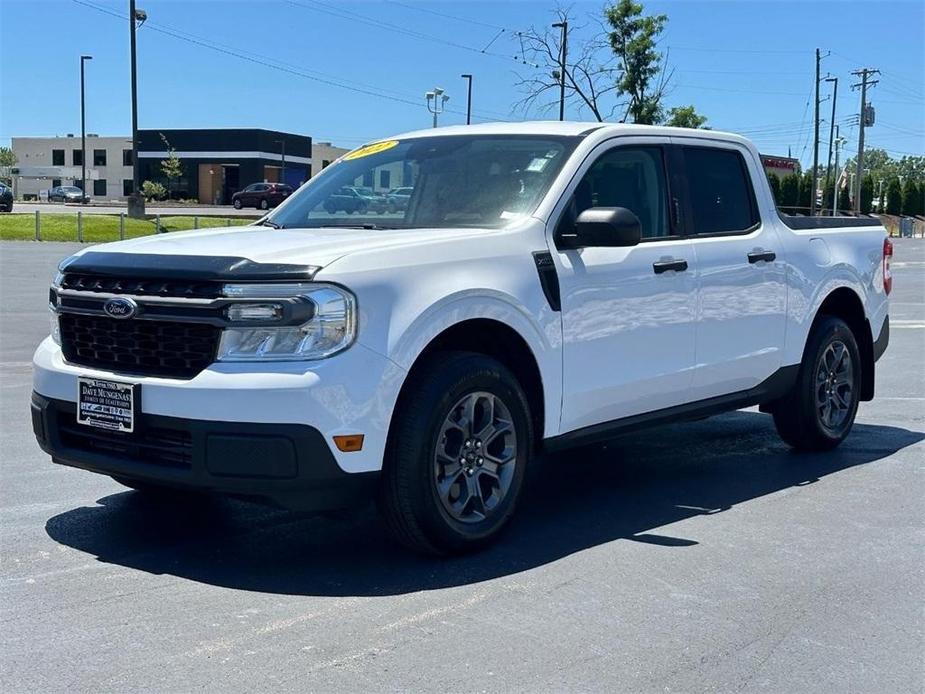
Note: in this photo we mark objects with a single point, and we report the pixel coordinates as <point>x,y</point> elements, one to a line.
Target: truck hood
<point>317,246</point>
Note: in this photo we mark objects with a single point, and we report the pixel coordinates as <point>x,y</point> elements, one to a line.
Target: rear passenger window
<point>630,177</point>
<point>721,191</point>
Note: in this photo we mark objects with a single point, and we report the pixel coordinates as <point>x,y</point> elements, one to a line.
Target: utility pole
<point>83,131</point>
<point>282,169</point>
<point>563,56</point>
<point>839,141</point>
<point>864,74</point>
<point>439,99</point>
<point>828,163</point>
<point>812,201</point>
<point>468,78</point>
<point>136,203</point>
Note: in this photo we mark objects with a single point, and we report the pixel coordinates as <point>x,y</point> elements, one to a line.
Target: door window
<point>630,177</point>
<point>722,198</point>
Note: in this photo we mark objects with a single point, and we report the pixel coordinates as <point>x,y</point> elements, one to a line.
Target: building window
<point>368,179</point>
<point>99,157</point>
<point>99,186</point>
<point>55,182</point>
<point>77,157</point>
<point>126,186</point>
<point>57,157</point>
<point>126,158</point>
<point>325,163</point>
<point>385,176</point>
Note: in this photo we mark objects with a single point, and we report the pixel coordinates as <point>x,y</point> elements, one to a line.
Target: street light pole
<point>468,78</point>
<point>828,165</point>
<point>563,54</point>
<point>136,203</point>
<point>83,130</point>
<point>282,170</point>
<point>439,100</point>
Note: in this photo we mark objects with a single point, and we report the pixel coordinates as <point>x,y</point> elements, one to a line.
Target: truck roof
<point>570,128</point>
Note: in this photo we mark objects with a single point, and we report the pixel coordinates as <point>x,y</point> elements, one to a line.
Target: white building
<point>46,162</point>
<point>324,154</point>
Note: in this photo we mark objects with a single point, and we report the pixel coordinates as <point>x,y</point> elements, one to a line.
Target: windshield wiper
<point>269,223</point>
<point>368,225</point>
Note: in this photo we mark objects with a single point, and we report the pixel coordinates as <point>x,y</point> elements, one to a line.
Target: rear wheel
<point>819,411</point>
<point>460,442</point>
<point>264,205</point>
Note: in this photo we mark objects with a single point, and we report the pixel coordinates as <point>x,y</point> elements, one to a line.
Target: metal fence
<point>158,228</point>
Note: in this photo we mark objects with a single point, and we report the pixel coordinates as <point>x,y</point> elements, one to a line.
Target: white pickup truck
<point>547,284</point>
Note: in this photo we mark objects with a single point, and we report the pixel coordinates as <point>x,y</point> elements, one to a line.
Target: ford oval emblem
<point>120,307</point>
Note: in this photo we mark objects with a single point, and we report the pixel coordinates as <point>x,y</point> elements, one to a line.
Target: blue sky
<point>747,65</point>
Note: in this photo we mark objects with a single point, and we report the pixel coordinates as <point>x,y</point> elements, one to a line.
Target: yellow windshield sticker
<point>374,148</point>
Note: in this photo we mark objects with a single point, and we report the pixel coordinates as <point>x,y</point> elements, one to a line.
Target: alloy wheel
<point>475,456</point>
<point>834,386</point>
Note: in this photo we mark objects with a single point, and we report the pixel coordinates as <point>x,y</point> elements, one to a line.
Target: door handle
<point>756,256</point>
<point>666,265</point>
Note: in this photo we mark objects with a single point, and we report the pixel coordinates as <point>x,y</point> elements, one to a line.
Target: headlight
<point>330,328</point>
<point>55,330</point>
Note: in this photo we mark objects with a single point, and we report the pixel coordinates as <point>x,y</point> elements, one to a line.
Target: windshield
<point>447,181</point>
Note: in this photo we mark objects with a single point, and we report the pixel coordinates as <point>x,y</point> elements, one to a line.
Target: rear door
<point>742,292</point>
<point>627,318</point>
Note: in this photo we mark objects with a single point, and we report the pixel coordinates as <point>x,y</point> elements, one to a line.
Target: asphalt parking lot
<point>707,557</point>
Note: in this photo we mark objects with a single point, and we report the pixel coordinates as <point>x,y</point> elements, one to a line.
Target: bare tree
<point>590,71</point>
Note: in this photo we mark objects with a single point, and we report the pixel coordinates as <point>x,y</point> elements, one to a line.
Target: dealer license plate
<point>106,404</point>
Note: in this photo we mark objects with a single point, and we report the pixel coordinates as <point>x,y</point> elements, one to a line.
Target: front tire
<point>237,204</point>
<point>461,439</point>
<point>818,413</point>
<point>264,205</point>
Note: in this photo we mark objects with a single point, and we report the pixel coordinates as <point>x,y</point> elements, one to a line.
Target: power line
<point>448,16</point>
<point>352,16</point>
<point>274,64</point>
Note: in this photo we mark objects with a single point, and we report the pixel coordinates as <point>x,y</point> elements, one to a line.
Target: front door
<point>627,313</point>
<point>741,311</point>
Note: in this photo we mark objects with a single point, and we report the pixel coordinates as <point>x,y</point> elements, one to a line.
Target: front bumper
<point>353,392</point>
<point>289,465</point>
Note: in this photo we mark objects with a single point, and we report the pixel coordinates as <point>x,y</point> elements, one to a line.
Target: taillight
<point>887,270</point>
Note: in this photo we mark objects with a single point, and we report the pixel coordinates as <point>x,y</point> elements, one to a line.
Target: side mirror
<point>603,226</point>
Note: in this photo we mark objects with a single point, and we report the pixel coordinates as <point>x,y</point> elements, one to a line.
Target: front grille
<point>171,448</point>
<point>150,348</point>
<point>142,287</point>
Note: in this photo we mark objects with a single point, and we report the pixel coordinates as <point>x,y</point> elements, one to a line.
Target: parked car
<point>263,196</point>
<point>6,198</point>
<point>579,281</point>
<point>66,194</point>
<point>352,199</point>
<point>398,199</point>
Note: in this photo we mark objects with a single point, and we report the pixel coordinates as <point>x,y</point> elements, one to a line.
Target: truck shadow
<point>576,500</point>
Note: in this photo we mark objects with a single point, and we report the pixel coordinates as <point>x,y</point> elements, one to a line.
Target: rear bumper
<point>289,465</point>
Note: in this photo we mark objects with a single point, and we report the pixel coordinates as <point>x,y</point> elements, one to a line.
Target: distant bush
<point>153,191</point>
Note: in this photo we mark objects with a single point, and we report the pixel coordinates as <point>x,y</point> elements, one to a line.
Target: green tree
<point>867,193</point>
<point>633,38</point>
<point>7,157</point>
<point>894,197</point>
<point>844,199</point>
<point>686,117</point>
<point>774,182</point>
<point>171,167</point>
<point>790,191</point>
<point>7,161</point>
<point>828,193</point>
<point>910,200</point>
<point>805,191</point>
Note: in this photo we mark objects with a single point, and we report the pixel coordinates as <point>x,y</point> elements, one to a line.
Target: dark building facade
<point>217,163</point>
